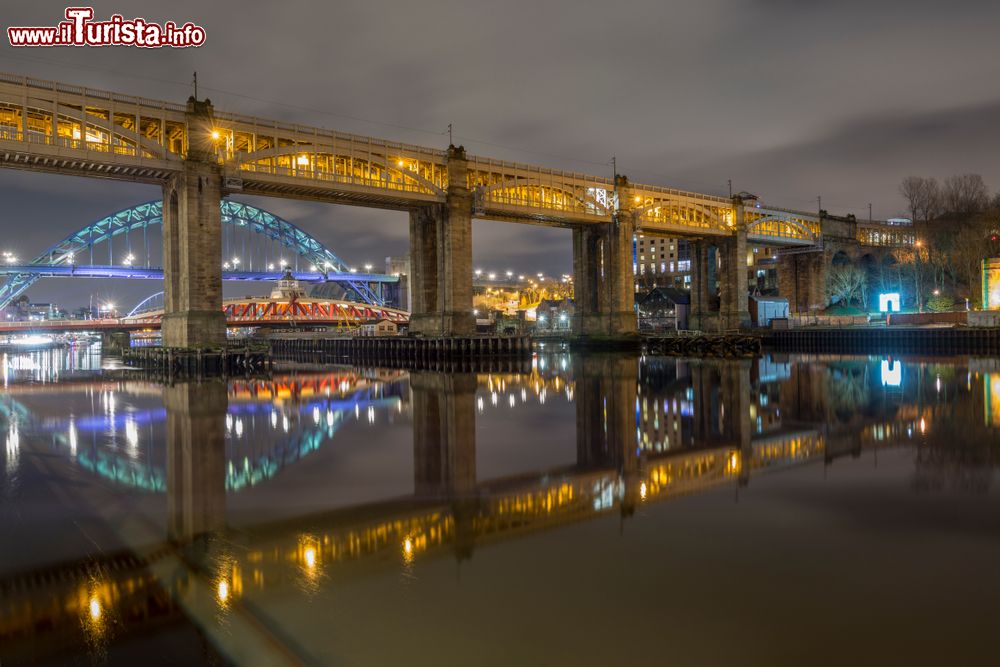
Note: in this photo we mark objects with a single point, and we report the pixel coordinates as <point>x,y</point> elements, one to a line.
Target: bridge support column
<point>192,241</point>
<point>196,459</point>
<point>603,273</point>
<point>441,258</point>
<point>734,310</point>
<point>444,434</point>
<point>704,313</point>
<point>802,280</point>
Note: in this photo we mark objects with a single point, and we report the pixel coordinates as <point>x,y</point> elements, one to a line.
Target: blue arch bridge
<point>257,246</point>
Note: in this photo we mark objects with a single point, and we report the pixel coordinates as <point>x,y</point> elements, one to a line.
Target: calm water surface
<point>597,510</point>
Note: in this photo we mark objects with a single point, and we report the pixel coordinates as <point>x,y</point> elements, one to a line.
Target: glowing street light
<point>478,272</point>
<point>270,267</point>
<point>236,261</point>
<point>368,268</point>
<point>492,276</point>
<point>510,273</point>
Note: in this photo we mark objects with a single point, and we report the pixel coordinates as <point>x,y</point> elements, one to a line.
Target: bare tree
<point>846,283</point>
<point>965,193</point>
<point>923,197</point>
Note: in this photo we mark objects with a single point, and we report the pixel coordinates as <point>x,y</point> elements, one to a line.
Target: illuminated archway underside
<point>319,162</point>
<point>771,227</point>
<point>150,214</point>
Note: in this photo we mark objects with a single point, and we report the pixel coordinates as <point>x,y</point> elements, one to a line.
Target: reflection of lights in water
<point>892,373</point>
<point>923,425</point>
<point>309,561</point>
<point>285,425</point>
<point>524,395</point>
<point>274,419</point>
<point>229,422</point>
<point>71,435</point>
<point>239,428</point>
<point>95,608</point>
<point>13,447</point>
<point>479,403</point>
<point>371,414</point>
<point>408,550</point>
<point>132,436</point>
<point>223,592</point>
<point>357,411</point>
<point>493,398</point>
<point>733,464</point>
<point>541,397</point>
<point>316,415</point>
<point>511,400</point>
<point>642,490</point>
<point>937,384</point>
<point>329,418</point>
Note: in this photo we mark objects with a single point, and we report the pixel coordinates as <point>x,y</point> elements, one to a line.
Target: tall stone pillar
<point>734,309</point>
<point>444,434</point>
<point>196,459</point>
<point>441,258</point>
<point>699,285</point>
<point>192,241</point>
<point>603,274</point>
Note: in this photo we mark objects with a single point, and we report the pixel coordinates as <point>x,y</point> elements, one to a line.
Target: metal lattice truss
<point>139,218</point>
<point>51,126</point>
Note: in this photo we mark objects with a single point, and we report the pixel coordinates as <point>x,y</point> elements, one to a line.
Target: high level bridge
<point>200,155</point>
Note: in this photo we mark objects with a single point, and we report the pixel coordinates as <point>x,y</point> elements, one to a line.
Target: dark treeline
<point>957,223</point>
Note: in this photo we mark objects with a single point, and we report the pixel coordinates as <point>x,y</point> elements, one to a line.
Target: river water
<point>593,510</point>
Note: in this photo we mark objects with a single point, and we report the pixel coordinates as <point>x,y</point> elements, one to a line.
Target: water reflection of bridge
<point>450,511</point>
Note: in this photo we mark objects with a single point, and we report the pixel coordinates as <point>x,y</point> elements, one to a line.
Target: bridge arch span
<point>142,216</point>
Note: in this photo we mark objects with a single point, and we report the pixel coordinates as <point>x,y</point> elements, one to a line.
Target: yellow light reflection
<point>95,608</point>
<point>642,491</point>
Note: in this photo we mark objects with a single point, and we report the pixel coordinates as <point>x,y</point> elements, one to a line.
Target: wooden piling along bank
<point>472,353</point>
<point>704,345</point>
<point>894,341</point>
<point>171,362</point>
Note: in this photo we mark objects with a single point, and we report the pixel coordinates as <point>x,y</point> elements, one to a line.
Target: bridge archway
<point>772,226</point>
<point>149,214</point>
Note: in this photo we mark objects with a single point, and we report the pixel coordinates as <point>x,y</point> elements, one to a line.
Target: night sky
<point>789,99</point>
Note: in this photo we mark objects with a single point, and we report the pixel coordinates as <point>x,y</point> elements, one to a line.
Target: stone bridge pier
<point>441,258</point>
<point>196,459</point>
<point>803,274</point>
<point>192,241</point>
<point>603,274</point>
